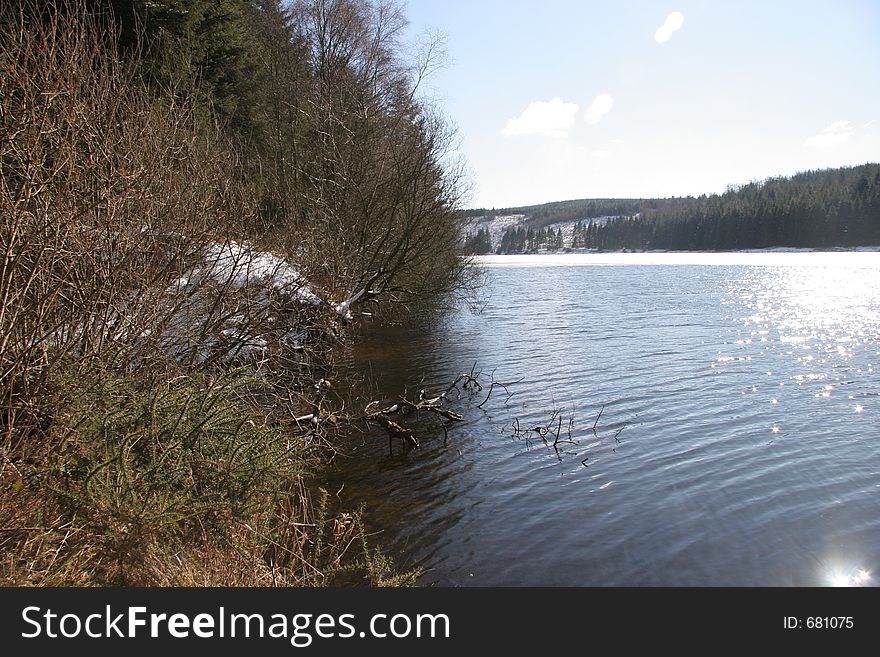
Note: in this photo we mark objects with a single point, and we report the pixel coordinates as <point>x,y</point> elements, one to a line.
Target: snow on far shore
<point>496,226</point>
<point>772,249</point>
<point>857,257</point>
<point>499,224</point>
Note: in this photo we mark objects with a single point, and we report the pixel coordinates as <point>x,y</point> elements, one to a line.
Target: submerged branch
<point>378,411</point>
<point>553,428</point>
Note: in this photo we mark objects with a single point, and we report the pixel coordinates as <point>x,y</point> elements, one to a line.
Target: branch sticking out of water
<point>500,385</point>
<point>598,416</point>
<point>553,428</point>
<point>378,412</point>
<point>543,430</point>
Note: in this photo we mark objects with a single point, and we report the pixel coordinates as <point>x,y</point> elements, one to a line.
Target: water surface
<point>738,444</point>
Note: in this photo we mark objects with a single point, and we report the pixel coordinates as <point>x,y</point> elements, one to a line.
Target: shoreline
<point>771,249</point>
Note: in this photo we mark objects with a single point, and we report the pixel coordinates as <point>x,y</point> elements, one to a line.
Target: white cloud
<point>601,154</point>
<point>551,118</point>
<point>834,135</point>
<point>672,23</point>
<point>617,142</point>
<point>870,123</point>
<point>600,106</point>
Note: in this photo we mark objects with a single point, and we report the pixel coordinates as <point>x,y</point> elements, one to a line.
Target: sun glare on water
<point>859,577</point>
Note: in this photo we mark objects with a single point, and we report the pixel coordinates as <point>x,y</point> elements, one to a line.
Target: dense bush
<point>175,277</point>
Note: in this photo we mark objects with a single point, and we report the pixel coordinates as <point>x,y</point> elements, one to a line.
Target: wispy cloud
<point>870,123</point>
<point>832,136</point>
<point>672,24</point>
<point>551,118</point>
<point>601,154</point>
<point>600,106</point>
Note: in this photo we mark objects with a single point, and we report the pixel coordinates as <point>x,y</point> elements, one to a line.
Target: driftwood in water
<point>394,430</point>
<point>378,412</point>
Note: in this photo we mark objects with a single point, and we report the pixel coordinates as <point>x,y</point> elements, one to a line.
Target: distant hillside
<point>817,209</point>
<point>541,216</point>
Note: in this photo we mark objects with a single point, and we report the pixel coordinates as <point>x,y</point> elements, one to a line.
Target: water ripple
<point>737,445</point>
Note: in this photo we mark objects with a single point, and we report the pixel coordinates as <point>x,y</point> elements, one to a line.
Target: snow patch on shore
<point>237,266</point>
<point>263,291</point>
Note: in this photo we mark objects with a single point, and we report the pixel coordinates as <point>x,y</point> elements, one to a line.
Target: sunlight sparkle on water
<point>820,311</point>
<point>859,408</point>
<point>839,580</point>
<point>859,577</point>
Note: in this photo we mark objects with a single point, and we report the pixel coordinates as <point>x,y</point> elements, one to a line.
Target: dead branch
<point>552,428</point>
<point>378,411</point>
<point>598,416</point>
<point>394,431</point>
<point>500,385</point>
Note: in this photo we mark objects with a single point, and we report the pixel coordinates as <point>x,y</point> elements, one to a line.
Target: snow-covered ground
<point>499,224</point>
<point>238,265</point>
<point>568,227</point>
<point>855,257</point>
<point>496,226</point>
<point>804,249</point>
<point>240,300</point>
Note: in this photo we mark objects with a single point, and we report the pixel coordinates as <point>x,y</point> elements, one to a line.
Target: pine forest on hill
<point>814,209</point>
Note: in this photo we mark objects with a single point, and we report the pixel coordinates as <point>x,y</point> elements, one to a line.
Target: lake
<point>738,445</point>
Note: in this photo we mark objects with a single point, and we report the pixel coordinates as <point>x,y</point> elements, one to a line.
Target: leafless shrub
<point>110,198</point>
<point>122,251</point>
<point>370,181</point>
<point>134,242</point>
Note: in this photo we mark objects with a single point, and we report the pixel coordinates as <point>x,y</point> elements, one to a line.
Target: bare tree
<point>378,199</point>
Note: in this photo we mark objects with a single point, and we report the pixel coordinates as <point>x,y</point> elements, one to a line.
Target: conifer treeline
<point>816,209</point>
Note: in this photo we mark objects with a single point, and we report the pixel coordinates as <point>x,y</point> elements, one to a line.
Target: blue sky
<point>562,99</point>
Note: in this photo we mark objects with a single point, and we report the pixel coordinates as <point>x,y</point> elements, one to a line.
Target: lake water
<point>739,442</point>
